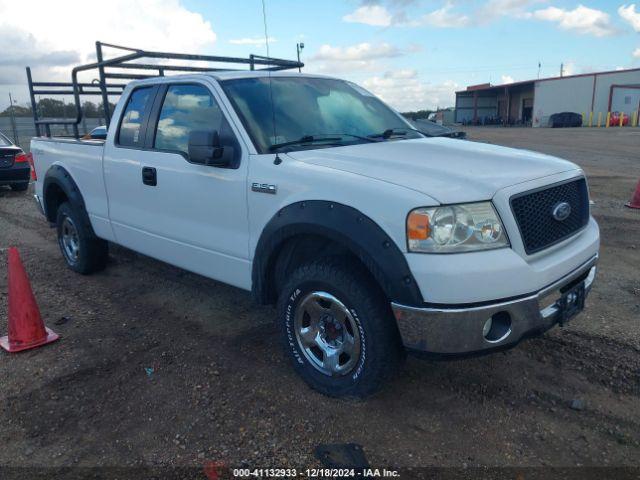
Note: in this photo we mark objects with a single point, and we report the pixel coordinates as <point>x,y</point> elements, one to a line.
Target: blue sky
<point>413,53</point>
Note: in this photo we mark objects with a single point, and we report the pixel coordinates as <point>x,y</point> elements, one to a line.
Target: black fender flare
<point>346,226</point>
<point>59,177</point>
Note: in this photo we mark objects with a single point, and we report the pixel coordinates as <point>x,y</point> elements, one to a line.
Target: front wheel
<point>338,331</point>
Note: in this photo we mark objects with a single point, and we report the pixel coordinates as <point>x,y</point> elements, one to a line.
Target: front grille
<point>533,211</point>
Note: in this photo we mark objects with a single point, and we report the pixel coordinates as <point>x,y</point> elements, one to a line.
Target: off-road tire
<point>381,350</point>
<point>92,251</point>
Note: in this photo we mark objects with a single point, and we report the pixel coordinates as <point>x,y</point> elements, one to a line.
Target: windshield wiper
<point>322,137</point>
<point>400,132</point>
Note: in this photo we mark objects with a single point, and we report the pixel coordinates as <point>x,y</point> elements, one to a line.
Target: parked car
<point>615,119</point>
<point>14,165</point>
<point>565,120</point>
<point>370,237</point>
<point>98,133</point>
<point>432,129</point>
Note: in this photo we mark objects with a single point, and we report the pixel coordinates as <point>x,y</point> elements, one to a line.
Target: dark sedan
<point>565,120</point>
<point>14,166</point>
<point>98,133</point>
<point>432,129</point>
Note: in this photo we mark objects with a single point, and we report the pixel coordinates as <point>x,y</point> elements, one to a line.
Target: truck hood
<point>447,170</point>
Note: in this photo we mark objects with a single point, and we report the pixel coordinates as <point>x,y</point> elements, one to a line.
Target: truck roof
<point>228,75</point>
<point>231,75</point>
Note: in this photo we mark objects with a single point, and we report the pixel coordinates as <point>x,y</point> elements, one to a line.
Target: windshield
<point>307,109</point>
<point>4,141</point>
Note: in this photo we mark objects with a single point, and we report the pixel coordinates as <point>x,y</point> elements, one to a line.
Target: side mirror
<point>205,149</point>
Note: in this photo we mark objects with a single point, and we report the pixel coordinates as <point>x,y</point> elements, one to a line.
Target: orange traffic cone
<point>635,200</point>
<point>26,329</point>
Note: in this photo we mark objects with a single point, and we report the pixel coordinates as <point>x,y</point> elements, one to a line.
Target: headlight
<point>455,228</point>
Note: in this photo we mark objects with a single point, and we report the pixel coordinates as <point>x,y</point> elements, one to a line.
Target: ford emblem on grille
<point>561,211</point>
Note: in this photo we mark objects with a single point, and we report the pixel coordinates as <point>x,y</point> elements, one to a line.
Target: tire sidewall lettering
<point>359,369</point>
<point>289,314</point>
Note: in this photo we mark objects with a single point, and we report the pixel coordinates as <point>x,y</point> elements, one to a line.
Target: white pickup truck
<point>313,194</point>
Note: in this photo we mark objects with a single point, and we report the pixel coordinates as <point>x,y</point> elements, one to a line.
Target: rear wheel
<point>338,330</point>
<point>20,187</point>
<point>82,250</point>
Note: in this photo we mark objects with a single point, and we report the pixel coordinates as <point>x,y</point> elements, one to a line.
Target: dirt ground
<point>159,367</point>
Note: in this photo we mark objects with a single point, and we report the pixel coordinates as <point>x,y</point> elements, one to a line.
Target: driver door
<point>190,215</point>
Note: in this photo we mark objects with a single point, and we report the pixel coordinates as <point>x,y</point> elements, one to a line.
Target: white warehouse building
<point>533,102</point>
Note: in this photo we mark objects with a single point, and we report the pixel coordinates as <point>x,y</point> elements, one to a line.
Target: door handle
<point>149,176</point>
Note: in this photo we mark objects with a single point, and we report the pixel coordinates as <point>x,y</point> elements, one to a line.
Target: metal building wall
<point>603,87</point>
<point>486,106</point>
<point>580,94</point>
<point>572,94</point>
<point>464,107</point>
<point>516,103</point>
<point>626,100</point>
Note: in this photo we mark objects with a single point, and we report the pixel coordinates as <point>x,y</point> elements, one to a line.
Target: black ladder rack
<point>121,65</point>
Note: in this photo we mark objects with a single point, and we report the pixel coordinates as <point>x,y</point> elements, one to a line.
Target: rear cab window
<point>130,132</point>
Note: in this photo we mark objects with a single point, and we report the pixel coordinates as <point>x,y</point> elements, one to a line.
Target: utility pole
<point>13,121</point>
<point>299,48</point>
<point>64,114</point>
<point>561,69</point>
<point>539,66</point>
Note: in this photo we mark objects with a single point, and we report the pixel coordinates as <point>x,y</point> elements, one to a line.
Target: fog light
<point>497,328</point>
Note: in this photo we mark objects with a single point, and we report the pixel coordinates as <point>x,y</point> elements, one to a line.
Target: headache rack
<point>118,68</point>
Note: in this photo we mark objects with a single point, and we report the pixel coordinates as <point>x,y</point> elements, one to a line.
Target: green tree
<point>18,111</point>
<point>90,110</point>
<point>51,108</point>
<point>112,107</point>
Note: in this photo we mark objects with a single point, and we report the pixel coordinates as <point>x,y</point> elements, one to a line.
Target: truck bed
<point>74,140</point>
<point>83,160</point>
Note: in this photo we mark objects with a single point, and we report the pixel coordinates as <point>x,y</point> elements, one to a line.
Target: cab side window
<point>129,134</point>
<point>186,108</point>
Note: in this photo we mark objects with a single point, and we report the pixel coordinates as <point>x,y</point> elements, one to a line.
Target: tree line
<point>417,115</point>
<point>51,108</point>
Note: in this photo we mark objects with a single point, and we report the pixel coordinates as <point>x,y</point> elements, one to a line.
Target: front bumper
<point>450,331</point>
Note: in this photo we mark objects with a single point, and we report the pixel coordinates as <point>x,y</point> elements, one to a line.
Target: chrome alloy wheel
<point>70,240</point>
<point>327,334</point>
